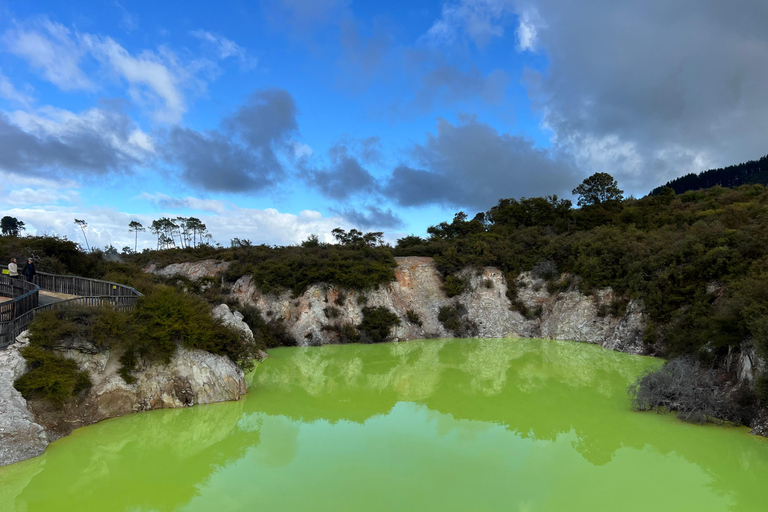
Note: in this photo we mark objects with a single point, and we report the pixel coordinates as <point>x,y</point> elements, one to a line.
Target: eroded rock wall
<point>192,377</point>
<point>20,436</point>
<point>569,315</point>
<point>193,271</point>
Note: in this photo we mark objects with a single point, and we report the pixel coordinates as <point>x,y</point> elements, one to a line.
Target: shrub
<point>761,389</point>
<point>267,334</point>
<point>684,386</point>
<point>377,324</point>
<point>50,377</point>
<point>454,286</point>
<point>454,319</point>
<point>545,269</point>
<point>274,269</point>
<point>413,317</point>
<point>449,317</point>
<point>332,312</point>
<point>346,332</point>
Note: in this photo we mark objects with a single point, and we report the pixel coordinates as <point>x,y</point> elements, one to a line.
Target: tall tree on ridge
<point>83,225</point>
<point>135,226</point>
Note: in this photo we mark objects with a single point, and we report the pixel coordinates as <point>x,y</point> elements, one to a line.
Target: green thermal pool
<point>443,425</point>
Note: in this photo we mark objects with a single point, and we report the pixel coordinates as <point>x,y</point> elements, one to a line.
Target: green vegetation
<point>665,250</point>
<point>600,188</point>
<point>453,286</point>
<point>275,269</point>
<point>266,333</point>
<point>163,320</point>
<point>454,319</point>
<point>11,226</point>
<point>50,377</point>
<point>413,317</point>
<point>747,173</point>
<point>377,324</point>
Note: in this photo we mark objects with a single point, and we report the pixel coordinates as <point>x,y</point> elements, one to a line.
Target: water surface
<point>444,425</point>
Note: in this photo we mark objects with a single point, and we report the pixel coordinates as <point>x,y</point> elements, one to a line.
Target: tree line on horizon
<point>753,171</point>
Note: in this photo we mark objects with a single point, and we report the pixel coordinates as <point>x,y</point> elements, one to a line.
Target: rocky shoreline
<point>416,296</point>
<point>192,377</point>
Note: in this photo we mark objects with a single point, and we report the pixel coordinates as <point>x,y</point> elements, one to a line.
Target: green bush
<point>266,333</point>
<point>454,319</point>
<point>413,317</point>
<point>449,317</point>
<point>377,324</point>
<point>50,377</point>
<point>454,286</point>
<point>295,268</point>
<point>346,332</point>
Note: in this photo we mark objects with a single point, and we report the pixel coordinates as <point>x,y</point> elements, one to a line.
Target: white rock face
<point>192,377</point>
<point>20,437</point>
<point>193,271</point>
<point>233,320</point>
<point>418,287</point>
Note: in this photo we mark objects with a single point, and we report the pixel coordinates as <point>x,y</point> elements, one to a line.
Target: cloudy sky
<point>277,119</point>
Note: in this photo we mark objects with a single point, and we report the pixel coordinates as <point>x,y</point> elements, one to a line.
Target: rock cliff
<point>192,377</point>
<point>20,436</point>
<point>484,306</point>
<point>193,271</point>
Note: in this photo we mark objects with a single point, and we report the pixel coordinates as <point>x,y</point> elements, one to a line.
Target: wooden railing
<point>14,313</point>
<point>82,286</point>
<point>17,314</point>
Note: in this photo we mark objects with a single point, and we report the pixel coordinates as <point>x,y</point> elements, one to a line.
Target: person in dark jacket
<point>29,270</point>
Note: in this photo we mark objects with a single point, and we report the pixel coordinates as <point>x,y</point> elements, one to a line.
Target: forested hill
<point>754,171</point>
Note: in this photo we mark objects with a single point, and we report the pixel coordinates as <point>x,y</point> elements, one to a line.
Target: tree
<point>197,229</point>
<point>599,188</point>
<point>165,229</point>
<point>355,237</point>
<point>83,225</point>
<point>135,226</point>
<point>11,226</point>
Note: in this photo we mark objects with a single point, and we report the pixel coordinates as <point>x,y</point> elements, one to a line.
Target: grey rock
<point>193,271</point>
<point>232,319</point>
<point>418,287</point>
<point>20,436</point>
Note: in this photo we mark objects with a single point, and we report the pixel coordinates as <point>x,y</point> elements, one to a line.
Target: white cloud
<point>128,22</point>
<point>481,20</point>
<point>527,30</point>
<point>113,130</point>
<point>40,196</point>
<point>9,92</point>
<point>49,48</point>
<point>154,80</point>
<point>226,48</point>
<point>107,226</point>
<point>186,203</point>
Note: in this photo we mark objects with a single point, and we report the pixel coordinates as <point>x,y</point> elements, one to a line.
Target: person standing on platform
<point>13,269</point>
<point>29,270</point>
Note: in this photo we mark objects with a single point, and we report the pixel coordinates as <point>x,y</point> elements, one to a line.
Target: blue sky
<point>277,119</point>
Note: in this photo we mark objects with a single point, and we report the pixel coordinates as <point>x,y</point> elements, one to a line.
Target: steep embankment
<point>488,307</point>
<point>192,377</point>
<point>484,308</point>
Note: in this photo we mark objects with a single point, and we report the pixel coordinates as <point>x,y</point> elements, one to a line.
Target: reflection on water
<point>430,425</point>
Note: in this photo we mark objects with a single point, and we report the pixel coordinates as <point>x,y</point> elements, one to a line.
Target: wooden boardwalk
<point>20,300</point>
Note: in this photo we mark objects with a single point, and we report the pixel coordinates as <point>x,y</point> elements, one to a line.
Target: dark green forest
<point>747,173</point>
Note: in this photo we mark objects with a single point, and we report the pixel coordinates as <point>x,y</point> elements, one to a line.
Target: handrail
<point>17,314</point>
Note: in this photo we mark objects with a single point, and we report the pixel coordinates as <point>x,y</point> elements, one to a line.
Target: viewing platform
<point>21,300</point>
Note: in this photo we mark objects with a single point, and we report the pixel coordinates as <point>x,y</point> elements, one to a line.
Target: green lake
<point>434,425</point>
